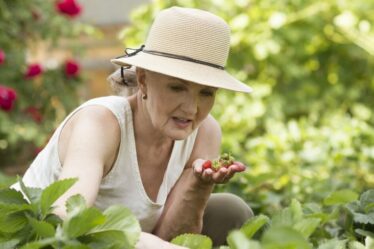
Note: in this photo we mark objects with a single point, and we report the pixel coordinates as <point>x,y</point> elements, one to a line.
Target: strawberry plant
<point>342,221</point>
<point>31,224</point>
<point>225,160</point>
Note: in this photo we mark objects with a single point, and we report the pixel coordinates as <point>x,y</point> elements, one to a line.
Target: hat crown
<point>190,32</point>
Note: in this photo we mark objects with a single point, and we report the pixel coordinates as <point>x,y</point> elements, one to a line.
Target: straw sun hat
<point>189,44</point>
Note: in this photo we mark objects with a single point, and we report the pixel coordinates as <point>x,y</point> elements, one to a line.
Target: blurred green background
<point>306,130</point>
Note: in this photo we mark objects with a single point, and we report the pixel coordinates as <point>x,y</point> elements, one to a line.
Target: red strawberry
<point>207,164</point>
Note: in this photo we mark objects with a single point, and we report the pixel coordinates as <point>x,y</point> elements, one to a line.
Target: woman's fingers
<point>223,175</point>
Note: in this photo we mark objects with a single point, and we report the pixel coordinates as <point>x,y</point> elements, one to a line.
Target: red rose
<point>33,70</point>
<point>68,7</point>
<point>7,98</point>
<point>2,56</point>
<point>71,68</point>
<point>34,114</point>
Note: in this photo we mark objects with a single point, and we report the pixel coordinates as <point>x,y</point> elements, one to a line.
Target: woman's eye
<point>177,88</point>
<point>207,93</point>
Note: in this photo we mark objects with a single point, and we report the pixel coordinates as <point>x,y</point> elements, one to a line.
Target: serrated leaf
<point>364,233</point>
<point>12,223</point>
<point>120,218</point>
<point>340,197</point>
<point>81,246</point>
<point>297,212</point>
<point>363,218</point>
<point>75,204</point>
<point>42,228</point>
<point>369,243</point>
<point>32,194</point>
<point>253,225</point>
<point>11,208</point>
<point>367,200</point>
<point>355,245</point>
<point>51,193</point>
<point>39,244</point>
<point>333,244</point>
<point>11,196</point>
<point>106,239</point>
<point>283,217</point>
<point>282,237</point>
<point>307,226</point>
<point>11,244</point>
<point>83,222</point>
<point>193,241</point>
<point>237,240</point>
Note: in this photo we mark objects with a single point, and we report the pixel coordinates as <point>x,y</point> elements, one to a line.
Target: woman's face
<point>176,107</point>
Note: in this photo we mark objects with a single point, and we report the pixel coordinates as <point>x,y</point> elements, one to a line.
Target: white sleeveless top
<point>123,184</point>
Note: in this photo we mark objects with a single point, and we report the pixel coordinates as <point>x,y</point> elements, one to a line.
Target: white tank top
<point>123,184</point>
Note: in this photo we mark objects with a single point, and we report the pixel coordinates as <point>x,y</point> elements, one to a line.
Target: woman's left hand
<point>222,175</point>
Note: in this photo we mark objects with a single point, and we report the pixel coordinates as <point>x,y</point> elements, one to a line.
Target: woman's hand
<point>222,175</point>
<point>150,241</point>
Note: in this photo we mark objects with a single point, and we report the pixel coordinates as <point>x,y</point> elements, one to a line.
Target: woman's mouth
<point>181,122</point>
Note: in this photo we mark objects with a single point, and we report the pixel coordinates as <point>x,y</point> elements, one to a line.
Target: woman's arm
<point>185,205</point>
<point>88,149</point>
<point>87,146</point>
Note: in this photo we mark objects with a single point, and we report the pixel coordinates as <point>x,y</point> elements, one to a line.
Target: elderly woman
<point>146,151</point>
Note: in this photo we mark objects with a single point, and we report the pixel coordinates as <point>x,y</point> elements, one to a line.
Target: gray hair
<point>123,83</point>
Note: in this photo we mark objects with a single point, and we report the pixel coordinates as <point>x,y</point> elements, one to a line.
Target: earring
<point>144,96</point>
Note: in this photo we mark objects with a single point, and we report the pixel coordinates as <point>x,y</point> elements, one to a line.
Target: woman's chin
<point>179,134</point>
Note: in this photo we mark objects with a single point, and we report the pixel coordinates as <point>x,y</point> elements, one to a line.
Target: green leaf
<point>238,240</point>
<point>363,218</point>
<point>367,200</point>
<point>42,228</point>
<point>253,225</point>
<point>12,223</point>
<point>120,218</point>
<point>340,197</point>
<point>369,243</point>
<point>11,196</point>
<point>75,204</point>
<point>39,244</point>
<point>364,233</point>
<point>51,193</point>
<point>193,241</point>
<point>355,245</point>
<point>110,239</point>
<point>307,226</point>
<point>282,237</point>
<point>11,244</point>
<point>32,194</point>
<point>333,244</point>
<point>297,212</point>
<point>283,217</point>
<point>11,208</point>
<point>82,222</point>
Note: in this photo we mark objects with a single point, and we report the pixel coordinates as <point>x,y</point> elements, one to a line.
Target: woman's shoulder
<point>210,127</point>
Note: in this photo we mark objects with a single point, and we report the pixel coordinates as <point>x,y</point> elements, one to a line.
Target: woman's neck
<point>144,130</point>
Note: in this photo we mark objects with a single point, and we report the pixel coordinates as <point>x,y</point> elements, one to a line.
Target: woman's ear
<point>140,76</point>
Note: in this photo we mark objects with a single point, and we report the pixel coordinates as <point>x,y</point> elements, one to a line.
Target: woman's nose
<point>190,105</point>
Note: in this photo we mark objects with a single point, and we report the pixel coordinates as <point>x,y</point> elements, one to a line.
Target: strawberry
<point>225,160</point>
<point>207,164</point>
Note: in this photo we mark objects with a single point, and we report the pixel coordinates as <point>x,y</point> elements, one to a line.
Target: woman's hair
<point>123,81</point>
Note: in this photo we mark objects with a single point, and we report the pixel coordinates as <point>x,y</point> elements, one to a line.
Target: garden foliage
<point>36,91</point>
<point>307,128</point>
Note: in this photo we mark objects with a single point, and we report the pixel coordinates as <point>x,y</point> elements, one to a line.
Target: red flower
<point>71,68</point>
<point>33,70</point>
<point>2,56</point>
<point>68,7</point>
<point>34,114</point>
<point>7,98</point>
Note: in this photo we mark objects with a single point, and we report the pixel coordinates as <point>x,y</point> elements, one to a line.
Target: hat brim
<point>186,70</point>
